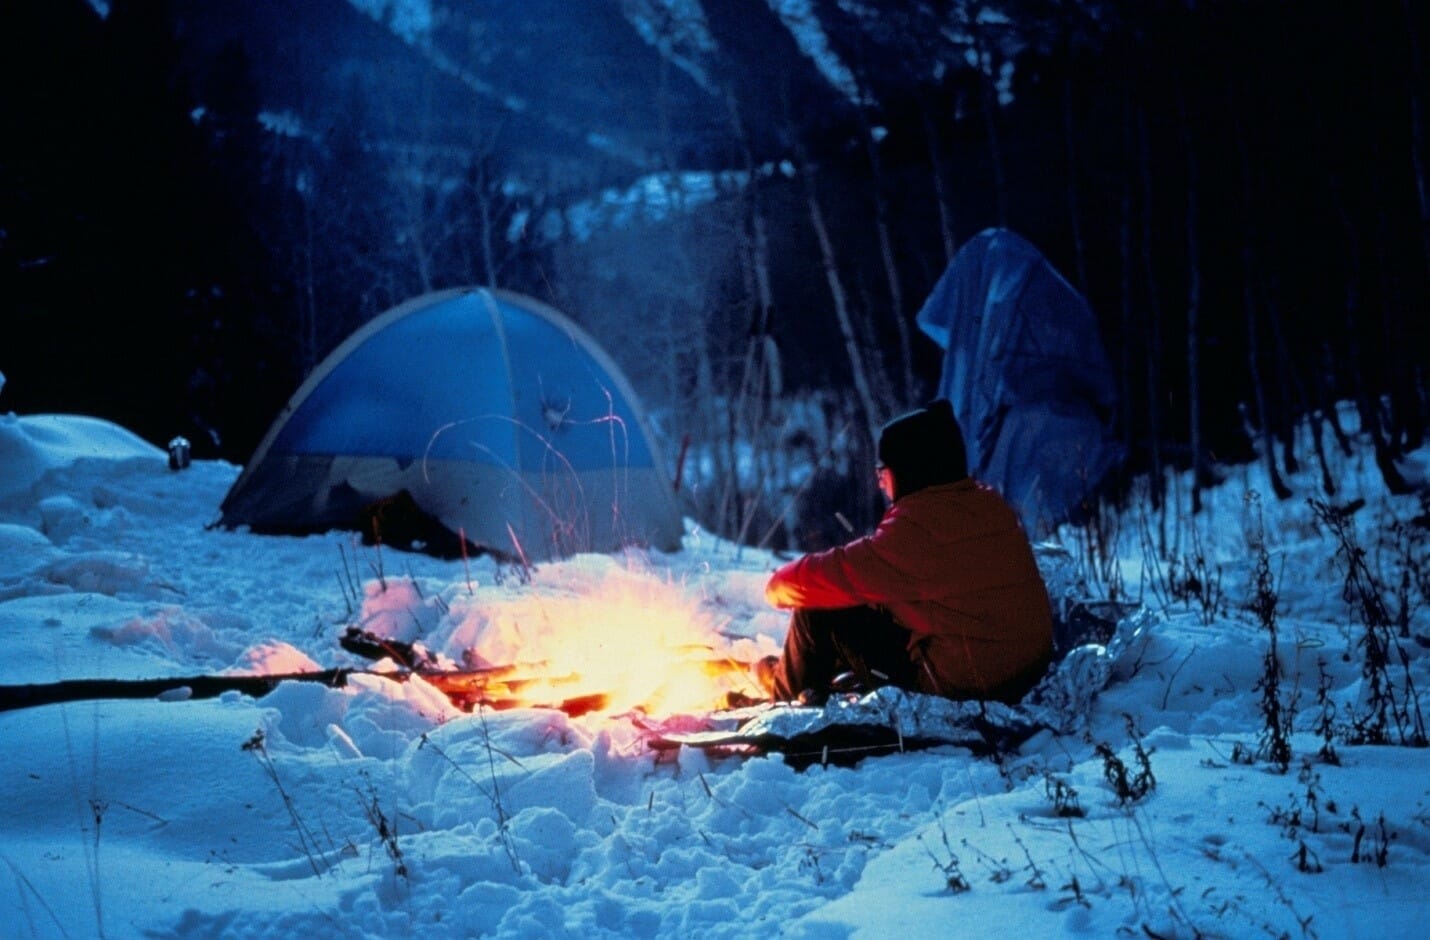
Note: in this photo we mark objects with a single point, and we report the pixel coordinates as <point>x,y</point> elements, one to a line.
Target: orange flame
<point>636,642</point>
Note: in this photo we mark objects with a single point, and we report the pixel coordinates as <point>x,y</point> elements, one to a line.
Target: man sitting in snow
<point>943,598</point>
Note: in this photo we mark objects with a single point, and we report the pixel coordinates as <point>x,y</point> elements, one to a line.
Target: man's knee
<point>846,622</point>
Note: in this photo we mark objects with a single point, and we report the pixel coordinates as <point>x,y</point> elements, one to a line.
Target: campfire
<point>608,642</point>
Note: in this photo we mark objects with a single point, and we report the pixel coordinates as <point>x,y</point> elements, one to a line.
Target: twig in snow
<point>307,840</point>
<point>791,811</point>
<point>1167,692</point>
<point>1036,881</point>
<point>953,877</point>
<point>28,886</point>
<point>386,830</point>
<point>492,792</point>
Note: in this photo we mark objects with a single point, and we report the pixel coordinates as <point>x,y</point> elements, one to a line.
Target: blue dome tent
<point>492,413</point>
<point>1027,375</point>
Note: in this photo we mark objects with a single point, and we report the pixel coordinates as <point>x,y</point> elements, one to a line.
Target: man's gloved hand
<point>784,590</point>
<point>781,594</point>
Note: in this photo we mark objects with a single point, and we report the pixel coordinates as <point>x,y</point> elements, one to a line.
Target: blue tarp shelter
<point>1027,375</point>
<point>494,413</point>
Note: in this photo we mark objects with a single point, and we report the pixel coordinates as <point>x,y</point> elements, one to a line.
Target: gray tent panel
<point>1027,375</point>
<point>496,414</point>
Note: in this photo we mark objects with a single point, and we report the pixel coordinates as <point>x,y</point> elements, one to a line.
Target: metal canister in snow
<point>179,453</point>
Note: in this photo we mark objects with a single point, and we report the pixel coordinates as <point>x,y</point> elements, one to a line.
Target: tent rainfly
<point>484,411</point>
<point>1027,375</point>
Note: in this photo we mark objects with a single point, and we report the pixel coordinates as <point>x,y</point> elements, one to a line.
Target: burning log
<point>495,688</point>
<point>696,669</point>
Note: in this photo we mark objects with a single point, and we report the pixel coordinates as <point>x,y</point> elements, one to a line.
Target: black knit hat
<point>924,448</point>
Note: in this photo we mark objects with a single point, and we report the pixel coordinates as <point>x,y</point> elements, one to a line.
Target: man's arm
<point>875,569</point>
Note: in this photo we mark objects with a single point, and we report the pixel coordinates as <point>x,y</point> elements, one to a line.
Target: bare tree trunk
<point>1253,361</point>
<point>1125,262</point>
<point>417,235</point>
<point>1249,275</point>
<point>760,247</point>
<point>1328,482</point>
<point>1369,408</point>
<point>1325,393</point>
<point>306,245</point>
<point>946,227</point>
<point>485,235</point>
<point>1406,415</point>
<point>1366,403</point>
<point>1317,418</point>
<point>988,94</point>
<point>891,270</point>
<point>415,228</point>
<point>1194,304</point>
<point>1074,209</point>
<point>1286,377</point>
<point>1312,411</point>
<point>1155,389</point>
<point>1294,386</point>
<point>840,298</point>
<point>681,319</point>
<point>751,410</point>
<point>308,304</point>
<point>760,255</point>
<point>1418,153</point>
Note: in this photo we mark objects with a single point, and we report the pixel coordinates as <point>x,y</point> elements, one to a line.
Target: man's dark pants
<point>823,644</point>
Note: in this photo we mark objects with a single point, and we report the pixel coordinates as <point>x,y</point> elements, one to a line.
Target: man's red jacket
<point>951,564</point>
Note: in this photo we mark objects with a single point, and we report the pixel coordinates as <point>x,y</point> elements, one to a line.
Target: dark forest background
<point>198,200</point>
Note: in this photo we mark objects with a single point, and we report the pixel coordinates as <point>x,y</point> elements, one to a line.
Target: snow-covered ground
<point>378,810</point>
